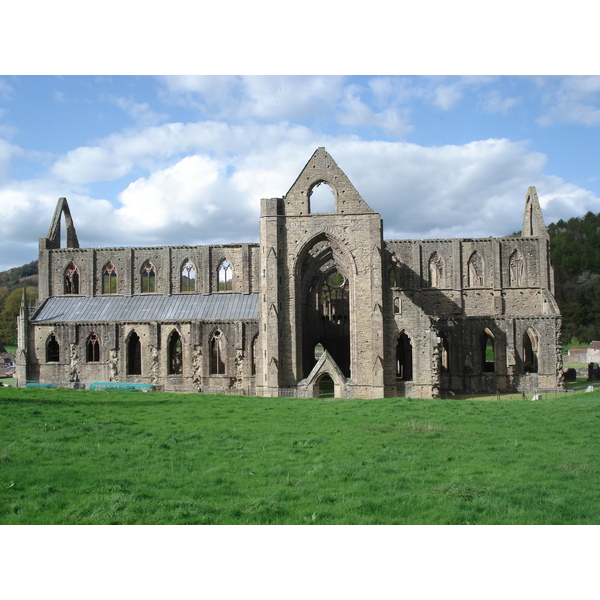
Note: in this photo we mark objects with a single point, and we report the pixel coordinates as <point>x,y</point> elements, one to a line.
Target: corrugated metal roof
<point>148,307</point>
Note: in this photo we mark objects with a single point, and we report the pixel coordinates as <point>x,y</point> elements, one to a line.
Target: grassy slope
<point>98,457</point>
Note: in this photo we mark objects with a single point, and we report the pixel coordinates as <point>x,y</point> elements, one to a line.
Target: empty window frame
<point>92,348</point>
<point>225,276</point>
<point>52,349</point>
<point>404,358</point>
<point>109,278</point>
<point>188,277</point>
<point>134,355</point>
<point>488,342</point>
<point>217,354</point>
<point>148,278</point>
<point>71,279</point>
<point>175,354</point>
<point>530,351</point>
<point>516,269</point>
<point>436,271</point>
<point>475,270</point>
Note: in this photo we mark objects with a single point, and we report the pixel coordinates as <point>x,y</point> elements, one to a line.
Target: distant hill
<point>19,277</point>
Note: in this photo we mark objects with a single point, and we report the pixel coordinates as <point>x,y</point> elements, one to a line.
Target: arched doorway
<point>326,386</point>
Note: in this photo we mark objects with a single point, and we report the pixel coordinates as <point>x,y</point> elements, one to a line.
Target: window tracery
<point>217,353</point>
<point>71,279</point>
<point>92,350</point>
<point>225,276</point>
<point>148,278</point>
<point>109,278</point>
<point>188,276</point>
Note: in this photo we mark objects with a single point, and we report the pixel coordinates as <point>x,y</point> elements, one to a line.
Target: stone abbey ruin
<point>321,306</point>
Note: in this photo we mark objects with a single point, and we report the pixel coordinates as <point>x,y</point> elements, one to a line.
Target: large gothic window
<point>71,279</point>
<point>92,348</point>
<point>134,355</point>
<point>148,278</point>
<point>109,278</point>
<point>404,358</point>
<point>516,268</point>
<point>52,349</point>
<point>225,276</point>
<point>175,354</point>
<point>436,271</point>
<point>188,277</point>
<point>217,354</point>
<point>475,270</point>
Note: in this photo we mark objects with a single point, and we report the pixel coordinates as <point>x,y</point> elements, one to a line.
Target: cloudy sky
<point>149,160</point>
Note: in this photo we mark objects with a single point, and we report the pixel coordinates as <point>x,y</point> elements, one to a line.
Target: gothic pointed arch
<point>436,270</point>
<point>404,357</point>
<point>92,348</point>
<point>71,279</point>
<point>148,278</point>
<point>134,354</point>
<point>218,353</point>
<point>52,348</point>
<point>488,351</point>
<point>516,269</point>
<point>325,270</point>
<point>175,353</point>
<point>188,276</point>
<point>475,275</point>
<point>109,278</point>
<point>530,351</point>
<point>225,276</point>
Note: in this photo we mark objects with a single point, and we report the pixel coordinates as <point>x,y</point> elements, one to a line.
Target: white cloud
<point>574,99</point>
<point>202,183</point>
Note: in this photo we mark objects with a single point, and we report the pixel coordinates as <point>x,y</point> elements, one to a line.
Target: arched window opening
<point>254,354</point>
<point>488,351</point>
<point>475,270</point>
<point>52,349</point>
<point>404,358</point>
<point>134,355</point>
<point>516,269</point>
<point>445,352</point>
<point>393,276</point>
<point>321,198</point>
<point>92,348</point>
<point>530,352</point>
<point>225,276</point>
<point>319,349</point>
<point>109,278</point>
<point>217,354</point>
<point>71,279</point>
<point>436,271</point>
<point>397,306</point>
<point>188,277</point>
<point>175,354</point>
<point>148,278</point>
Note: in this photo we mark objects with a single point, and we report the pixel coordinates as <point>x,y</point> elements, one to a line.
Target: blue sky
<point>147,160</point>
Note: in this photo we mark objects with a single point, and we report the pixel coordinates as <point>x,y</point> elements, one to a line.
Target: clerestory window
<point>225,276</point>
<point>188,277</point>
<point>148,278</point>
<point>109,278</point>
<point>71,279</point>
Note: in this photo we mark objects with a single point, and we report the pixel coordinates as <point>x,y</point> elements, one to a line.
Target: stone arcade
<point>322,306</point>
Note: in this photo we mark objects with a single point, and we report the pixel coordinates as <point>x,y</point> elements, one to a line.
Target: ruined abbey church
<point>322,306</point>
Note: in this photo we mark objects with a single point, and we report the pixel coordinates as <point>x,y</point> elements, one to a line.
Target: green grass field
<point>73,457</point>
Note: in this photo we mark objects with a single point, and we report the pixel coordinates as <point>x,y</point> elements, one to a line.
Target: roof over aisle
<point>150,307</point>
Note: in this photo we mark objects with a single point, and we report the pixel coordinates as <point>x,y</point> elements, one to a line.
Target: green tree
<point>10,311</point>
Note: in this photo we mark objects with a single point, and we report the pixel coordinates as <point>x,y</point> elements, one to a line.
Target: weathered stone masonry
<point>321,306</point>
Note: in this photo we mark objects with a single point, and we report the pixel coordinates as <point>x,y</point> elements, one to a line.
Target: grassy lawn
<point>73,457</point>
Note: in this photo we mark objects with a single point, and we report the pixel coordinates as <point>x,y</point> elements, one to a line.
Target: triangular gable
<point>321,168</point>
<point>62,207</point>
<point>325,364</point>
